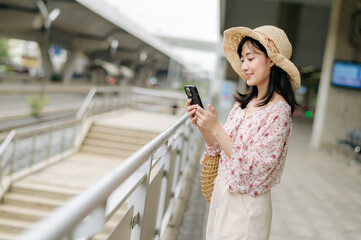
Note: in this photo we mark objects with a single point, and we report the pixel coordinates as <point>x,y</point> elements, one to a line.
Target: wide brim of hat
<point>232,38</point>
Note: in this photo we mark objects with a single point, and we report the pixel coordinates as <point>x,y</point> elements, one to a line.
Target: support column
<point>218,74</point>
<point>324,86</point>
<point>144,73</point>
<point>69,66</point>
<point>288,20</point>
<point>45,57</point>
<point>174,73</point>
<point>133,67</point>
<point>171,72</point>
<point>177,75</point>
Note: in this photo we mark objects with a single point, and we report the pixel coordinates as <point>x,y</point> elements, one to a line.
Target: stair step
<point>108,228</point>
<point>111,145</point>
<point>55,192</point>
<point>106,151</point>
<point>61,185</point>
<point>123,132</point>
<point>14,226</point>
<point>101,236</point>
<point>112,223</point>
<point>21,213</point>
<point>7,236</point>
<point>118,138</point>
<point>33,202</point>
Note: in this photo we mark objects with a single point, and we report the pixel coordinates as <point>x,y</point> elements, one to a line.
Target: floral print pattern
<point>260,148</point>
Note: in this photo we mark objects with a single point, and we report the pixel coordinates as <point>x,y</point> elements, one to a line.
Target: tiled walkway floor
<point>319,195</point>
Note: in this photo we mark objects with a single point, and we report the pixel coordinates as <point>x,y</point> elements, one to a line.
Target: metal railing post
<point>163,195</point>
<point>63,136</point>
<point>86,102</point>
<point>32,158</point>
<point>138,200</point>
<point>14,158</point>
<point>1,171</point>
<point>48,152</point>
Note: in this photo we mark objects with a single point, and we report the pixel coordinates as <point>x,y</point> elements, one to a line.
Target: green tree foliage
<point>4,48</point>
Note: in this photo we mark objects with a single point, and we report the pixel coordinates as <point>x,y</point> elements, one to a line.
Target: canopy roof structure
<point>90,27</point>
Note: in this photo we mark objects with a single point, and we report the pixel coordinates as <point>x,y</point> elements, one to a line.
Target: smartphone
<point>192,93</point>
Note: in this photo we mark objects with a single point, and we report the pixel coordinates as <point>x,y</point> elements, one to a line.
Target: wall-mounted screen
<point>346,74</point>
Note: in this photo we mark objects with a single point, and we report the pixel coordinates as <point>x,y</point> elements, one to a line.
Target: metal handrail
<point>156,93</point>
<point>66,219</point>
<point>7,141</point>
<point>44,127</point>
<point>86,102</point>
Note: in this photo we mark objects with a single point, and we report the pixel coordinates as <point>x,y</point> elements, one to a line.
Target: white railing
<point>148,182</point>
<point>29,149</point>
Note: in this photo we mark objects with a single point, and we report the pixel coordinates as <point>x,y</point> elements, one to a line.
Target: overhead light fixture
<point>54,14</point>
<point>48,17</point>
<point>143,56</point>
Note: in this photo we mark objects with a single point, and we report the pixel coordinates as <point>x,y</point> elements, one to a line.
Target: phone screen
<point>192,93</point>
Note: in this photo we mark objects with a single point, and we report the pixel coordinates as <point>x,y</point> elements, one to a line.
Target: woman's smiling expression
<point>255,65</point>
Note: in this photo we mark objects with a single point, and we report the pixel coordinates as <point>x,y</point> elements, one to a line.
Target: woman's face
<point>255,65</point>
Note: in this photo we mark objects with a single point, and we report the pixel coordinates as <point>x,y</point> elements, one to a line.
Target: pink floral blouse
<point>260,148</point>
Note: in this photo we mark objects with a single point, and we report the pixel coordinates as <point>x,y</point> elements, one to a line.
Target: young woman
<point>253,143</point>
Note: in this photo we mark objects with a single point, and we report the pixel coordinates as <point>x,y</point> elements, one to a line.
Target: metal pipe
<point>7,141</point>
<point>14,158</point>
<point>49,144</point>
<point>86,102</point>
<point>32,158</point>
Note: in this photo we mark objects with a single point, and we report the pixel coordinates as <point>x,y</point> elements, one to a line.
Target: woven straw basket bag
<point>208,175</point>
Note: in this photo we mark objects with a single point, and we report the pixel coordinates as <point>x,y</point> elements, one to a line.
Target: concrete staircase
<point>118,142</point>
<point>27,202</point>
<point>36,196</point>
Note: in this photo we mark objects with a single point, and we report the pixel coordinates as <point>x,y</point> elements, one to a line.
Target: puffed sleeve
<point>254,162</point>
<point>216,149</point>
<point>213,150</point>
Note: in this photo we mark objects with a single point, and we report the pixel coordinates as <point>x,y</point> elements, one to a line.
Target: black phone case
<point>192,93</point>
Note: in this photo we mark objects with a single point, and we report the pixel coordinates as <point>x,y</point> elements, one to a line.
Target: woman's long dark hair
<point>278,82</point>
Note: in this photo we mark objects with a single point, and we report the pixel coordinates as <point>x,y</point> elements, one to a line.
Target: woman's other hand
<point>193,111</point>
<point>207,120</point>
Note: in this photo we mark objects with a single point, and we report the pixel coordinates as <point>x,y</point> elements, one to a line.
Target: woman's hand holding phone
<point>207,120</point>
<point>193,112</point>
<point>207,123</point>
<point>191,109</point>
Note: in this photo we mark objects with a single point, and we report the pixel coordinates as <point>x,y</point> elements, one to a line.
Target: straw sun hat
<point>279,49</point>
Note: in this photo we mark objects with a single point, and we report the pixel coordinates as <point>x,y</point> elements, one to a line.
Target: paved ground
<point>318,198</point>
<point>141,121</point>
<point>195,216</point>
<point>13,98</point>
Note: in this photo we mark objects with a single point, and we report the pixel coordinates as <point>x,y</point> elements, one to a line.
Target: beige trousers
<point>234,216</point>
